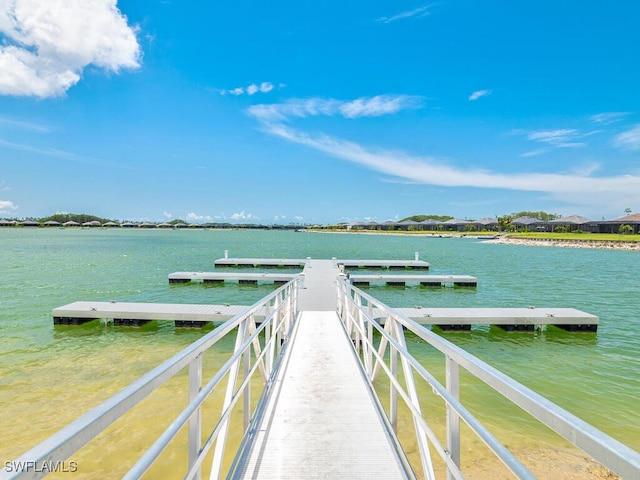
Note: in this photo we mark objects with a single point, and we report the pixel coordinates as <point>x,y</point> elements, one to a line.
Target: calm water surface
<point>51,375</point>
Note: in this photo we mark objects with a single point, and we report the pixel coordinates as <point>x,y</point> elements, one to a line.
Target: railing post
<point>195,424</point>
<point>453,420</point>
<point>393,392</point>
<point>246,400</point>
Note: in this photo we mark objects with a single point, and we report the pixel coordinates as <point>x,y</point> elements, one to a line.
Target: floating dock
<point>195,315</point>
<point>321,276</point>
<point>424,280</point>
<point>509,319</point>
<point>138,314</point>
<point>300,263</point>
<point>241,278</point>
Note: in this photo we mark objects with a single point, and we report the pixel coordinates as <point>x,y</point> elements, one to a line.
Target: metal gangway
<point>320,324</point>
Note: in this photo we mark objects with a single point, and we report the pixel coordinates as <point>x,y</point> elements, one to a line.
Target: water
<point>51,375</point>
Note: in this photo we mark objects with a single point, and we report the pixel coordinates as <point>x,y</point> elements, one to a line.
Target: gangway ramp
<point>321,418</point>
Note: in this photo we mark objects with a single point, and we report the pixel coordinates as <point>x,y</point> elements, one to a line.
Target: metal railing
<point>362,315</point>
<point>277,313</point>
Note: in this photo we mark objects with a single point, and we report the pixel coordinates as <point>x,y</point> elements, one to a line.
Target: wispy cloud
<point>22,125</point>
<point>54,152</point>
<point>46,45</point>
<point>252,89</point>
<point>415,13</point>
<point>479,94</point>
<point>533,153</point>
<point>607,118</point>
<point>629,140</point>
<point>575,187</point>
<point>311,107</point>
<point>559,138</point>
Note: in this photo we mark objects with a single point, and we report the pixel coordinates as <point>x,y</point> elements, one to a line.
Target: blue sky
<point>299,112</point>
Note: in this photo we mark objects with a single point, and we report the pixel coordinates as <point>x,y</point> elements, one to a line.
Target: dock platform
<point>137,314</point>
<point>424,280</point>
<point>300,263</point>
<point>241,278</point>
<point>509,319</point>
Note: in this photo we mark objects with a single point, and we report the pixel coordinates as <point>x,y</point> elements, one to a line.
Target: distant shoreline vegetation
<point>534,225</point>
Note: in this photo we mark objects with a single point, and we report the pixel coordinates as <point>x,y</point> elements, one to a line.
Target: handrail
<point>279,309</point>
<point>360,311</point>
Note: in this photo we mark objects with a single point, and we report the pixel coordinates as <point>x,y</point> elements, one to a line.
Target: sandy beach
<point>596,244</point>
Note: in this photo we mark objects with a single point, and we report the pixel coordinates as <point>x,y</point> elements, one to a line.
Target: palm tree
<point>504,222</point>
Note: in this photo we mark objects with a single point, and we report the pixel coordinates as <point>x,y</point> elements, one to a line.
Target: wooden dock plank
<point>320,420</point>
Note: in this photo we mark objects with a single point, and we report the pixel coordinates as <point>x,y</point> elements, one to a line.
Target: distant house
<point>30,223</point>
<point>408,225</point>
<point>430,224</point>
<point>7,223</point>
<point>111,224</point>
<point>486,223</point>
<point>613,226</point>
<point>574,222</point>
<point>51,223</point>
<point>455,224</point>
<point>91,224</point>
<point>70,223</point>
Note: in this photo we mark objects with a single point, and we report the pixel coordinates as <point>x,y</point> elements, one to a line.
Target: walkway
<point>321,420</point>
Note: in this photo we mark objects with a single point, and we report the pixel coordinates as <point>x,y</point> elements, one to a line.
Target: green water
<point>51,375</point>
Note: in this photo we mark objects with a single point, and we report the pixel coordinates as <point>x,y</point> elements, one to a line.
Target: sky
<point>318,112</point>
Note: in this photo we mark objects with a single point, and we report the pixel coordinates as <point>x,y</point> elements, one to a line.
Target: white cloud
<point>577,187</point>
<point>7,207</point>
<point>629,140</point>
<point>241,216</point>
<point>311,107</point>
<point>48,43</point>
<point>194,217</point>
<point>479,94</point>
<point>167,215</point>
<point>264,87</point>
<point>607,118</point>
<point>417,13</point>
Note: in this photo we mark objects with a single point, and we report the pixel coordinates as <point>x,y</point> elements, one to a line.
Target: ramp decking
<point>320,420</point>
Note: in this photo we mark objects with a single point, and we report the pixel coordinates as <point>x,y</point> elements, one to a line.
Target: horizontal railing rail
<point>362,313</point>
<point>266,339</point>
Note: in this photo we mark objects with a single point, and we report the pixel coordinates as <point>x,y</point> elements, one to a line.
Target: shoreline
<point>505,239</point>
<point>555,242</point>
